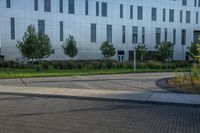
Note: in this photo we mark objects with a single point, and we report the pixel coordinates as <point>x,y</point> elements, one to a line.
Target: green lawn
<point>28,73</point>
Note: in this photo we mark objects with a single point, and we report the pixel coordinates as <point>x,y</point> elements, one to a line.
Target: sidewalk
<point>106,94</point>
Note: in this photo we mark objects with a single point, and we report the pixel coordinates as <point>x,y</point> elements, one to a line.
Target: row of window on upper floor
<point>109,34</point>
<point>71,10</point>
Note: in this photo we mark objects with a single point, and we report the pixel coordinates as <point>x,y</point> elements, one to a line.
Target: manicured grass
<point>28,73</point>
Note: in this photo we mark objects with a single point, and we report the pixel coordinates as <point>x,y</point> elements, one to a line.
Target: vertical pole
<point>135,59</point>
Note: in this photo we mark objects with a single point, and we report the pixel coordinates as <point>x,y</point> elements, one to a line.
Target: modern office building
<point>124,23</point>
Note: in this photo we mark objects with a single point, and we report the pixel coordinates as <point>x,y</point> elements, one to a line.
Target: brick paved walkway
<point>26,114</point>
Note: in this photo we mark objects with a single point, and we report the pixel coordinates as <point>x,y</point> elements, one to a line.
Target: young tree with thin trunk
<point>69,47</point>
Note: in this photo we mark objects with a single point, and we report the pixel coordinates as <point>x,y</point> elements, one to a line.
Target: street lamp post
<point>135,59</point>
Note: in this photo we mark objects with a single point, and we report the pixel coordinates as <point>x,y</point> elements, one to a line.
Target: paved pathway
<point>118,82</point>
<point>28,114</point>
<point>96,104</point>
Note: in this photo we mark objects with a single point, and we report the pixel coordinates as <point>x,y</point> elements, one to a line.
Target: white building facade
<point>124,23</point>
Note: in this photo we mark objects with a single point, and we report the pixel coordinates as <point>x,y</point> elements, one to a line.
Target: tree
<point>107,49</point>
<point>69,47</point>
<point>34,45</point>
<point>164,51</point>
<point>141,50</point>
<point>194,50</point>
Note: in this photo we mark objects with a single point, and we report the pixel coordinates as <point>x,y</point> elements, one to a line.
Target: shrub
<point>45,65</point>
<point>142,65</point>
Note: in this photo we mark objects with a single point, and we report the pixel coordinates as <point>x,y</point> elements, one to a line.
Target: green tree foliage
<point>69,47</point>
<point>194,51</point>
<point>107,50</point>
<point>141,50</point>
<point>164,51</point>
<point>34,45</point>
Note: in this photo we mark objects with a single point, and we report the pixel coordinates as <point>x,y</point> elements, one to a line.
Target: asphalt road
<point>28,114</point>
<point>118,82</point>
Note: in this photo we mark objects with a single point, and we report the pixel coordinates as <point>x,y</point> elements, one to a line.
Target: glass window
<point>61,6</point>
<point>198,3</point>
<point>8,4</point>
<point>61,31</point>
<point>104,9</point>
<point>195,3</point>
<point>153,14</point>
<point>165,34</point>
<point>171,15</point>
<point>131,12</point>
<point>86,7</point>
<point>158,35</point>
<point>36,5</point>
<point>183,37</point>
<point>71,6</point>
<point>197,17</point>
<point>184,2</point>
<point>181,16</point>
<point>12,25</point>
<point>188,14</point>
<point>109,33</point>
<point>135,35</point>
<point>97,8</point>
<point>174,36</point>
<point>164,15</point>
<point>47,5</point>
<point>41,26</point>
<point>140,13</point>
<point>93,33</point>
<point>123,34</point>
<point>121,10</point>
<point>143,35</point>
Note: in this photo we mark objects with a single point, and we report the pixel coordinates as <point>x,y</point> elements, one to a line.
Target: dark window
<point>183,37</point>
<point>123,34</point>
<point>135,34</point>
<point>12,25</point>
<point>140,13</point>
<point>104,9</point>
<point>188,14</point>
<point>61,31</point>
<point>109,33</point>
<point>174,36</point>
<point>61,6</point>
<point>197,17</point>
<point>97,8</point>
<point>8,4</point>
<point>184,2</point>
<point>198,3</point>
<point>165,34</point>
<point>164,15</point>
<point>181,16</point>
<point>195,3</point>
<point>36,5</point>
<point>158,35</point>
<point>153,14</point>
<point>121,10</point>
<point>41,26</point>
<point>143,35</point>
<point>171,15</point>
<point>71,6</point>
<point>47,5</point>
<point>131,12</point>
<point>93,32</point>
<point>86,7</point>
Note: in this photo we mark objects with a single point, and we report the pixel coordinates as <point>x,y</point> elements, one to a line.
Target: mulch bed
<point>172,86</point>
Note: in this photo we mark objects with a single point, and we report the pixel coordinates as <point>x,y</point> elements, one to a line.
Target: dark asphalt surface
<point>28,114</point>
